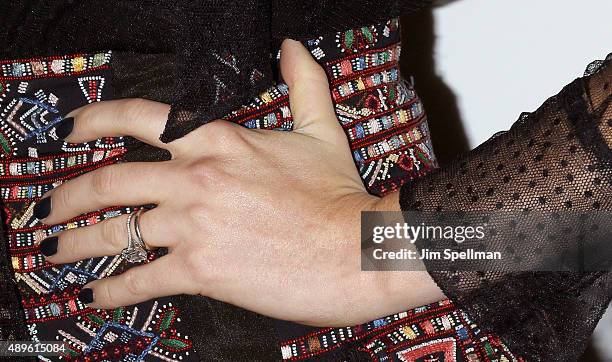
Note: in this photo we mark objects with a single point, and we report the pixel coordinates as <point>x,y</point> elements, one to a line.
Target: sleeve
<point>554,160</point>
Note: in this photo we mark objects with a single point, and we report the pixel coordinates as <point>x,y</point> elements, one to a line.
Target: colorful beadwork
<point>388,135</point>
<point>35,96</point>
<point>381,114</point>
<point>436,332</point>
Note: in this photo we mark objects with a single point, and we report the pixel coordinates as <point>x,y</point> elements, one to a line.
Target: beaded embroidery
<point>382,115</point>
<point>436,332</point>
<point>34,97</point>
<point>388,135</point>
<point>387,130</point>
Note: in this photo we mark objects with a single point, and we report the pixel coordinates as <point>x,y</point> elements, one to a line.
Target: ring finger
<point>108,237</point>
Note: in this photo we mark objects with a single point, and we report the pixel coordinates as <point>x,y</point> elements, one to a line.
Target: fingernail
<point>65,127</point>
<point>86,295</point>
<point>43,208</point>
<point>48,246</point>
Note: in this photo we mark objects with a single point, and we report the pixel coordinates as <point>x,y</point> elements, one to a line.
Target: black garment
<point>555,160</point>
<point>222,51</point>
<point>220,64</point>
<point>220,55</point>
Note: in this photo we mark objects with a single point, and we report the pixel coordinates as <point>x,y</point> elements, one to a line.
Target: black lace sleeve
<point>557,158</point>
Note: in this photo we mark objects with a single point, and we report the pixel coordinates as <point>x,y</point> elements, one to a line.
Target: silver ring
<point>137,228</point>
<point>135,251</point>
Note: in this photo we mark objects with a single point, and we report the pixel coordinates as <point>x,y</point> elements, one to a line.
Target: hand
<point>265,220</point>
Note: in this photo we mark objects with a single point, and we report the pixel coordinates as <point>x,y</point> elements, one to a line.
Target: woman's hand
<point>265,220</point>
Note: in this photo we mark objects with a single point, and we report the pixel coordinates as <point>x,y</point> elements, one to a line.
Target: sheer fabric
<point>388,136</point>
<point>223,52</point>
<point>219,64</point>
<point>553,160</point>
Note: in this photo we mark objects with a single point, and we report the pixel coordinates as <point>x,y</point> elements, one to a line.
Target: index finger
<point>140,118</point>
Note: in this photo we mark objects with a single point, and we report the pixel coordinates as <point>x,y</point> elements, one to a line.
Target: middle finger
<point>128,184</point>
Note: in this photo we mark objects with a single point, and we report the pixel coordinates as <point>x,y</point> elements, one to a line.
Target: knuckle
<point>113,233</point>
<point>202,173</point>
<point>198,267</point>
<point>134,284</point>
<point>219,128</point>
<point>224,135</point>
<point>62,198</point>
<point>87,113</point>
<point>133,109</point>
<point>102,182</point>
<point>198,215</point>
<point>108,295</point>
<point>68,243</point>
<point>192,263</point>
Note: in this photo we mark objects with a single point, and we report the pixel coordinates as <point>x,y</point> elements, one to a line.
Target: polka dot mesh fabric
<point>553,160</point>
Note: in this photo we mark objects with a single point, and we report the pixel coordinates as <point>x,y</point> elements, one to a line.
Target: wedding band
<point>135,252</point>
<point>137,229</point>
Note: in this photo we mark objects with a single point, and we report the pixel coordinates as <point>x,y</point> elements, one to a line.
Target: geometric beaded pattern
<point>35,95</point>
<point>387,131</point>
<point>435,332</point>
<point>381,114</point>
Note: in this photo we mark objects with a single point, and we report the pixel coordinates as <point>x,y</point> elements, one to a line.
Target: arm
<point>294,254</point>
<point>555,160</point>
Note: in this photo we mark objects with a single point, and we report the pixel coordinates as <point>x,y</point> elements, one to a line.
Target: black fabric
<point>12,322</point>
<point>219,331</point>
<point>221,54</point>
<point>557,159</point>
<point>222,51</point>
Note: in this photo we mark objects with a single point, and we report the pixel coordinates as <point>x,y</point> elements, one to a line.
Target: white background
<point>503,57</point>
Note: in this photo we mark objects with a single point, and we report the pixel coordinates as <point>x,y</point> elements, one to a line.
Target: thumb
<point>309,95</point>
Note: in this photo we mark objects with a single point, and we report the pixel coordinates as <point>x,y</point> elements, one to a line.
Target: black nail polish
<point>42,208</point>
<point>48,246</point>
<point>64,128</point>
<point>86,295</point>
